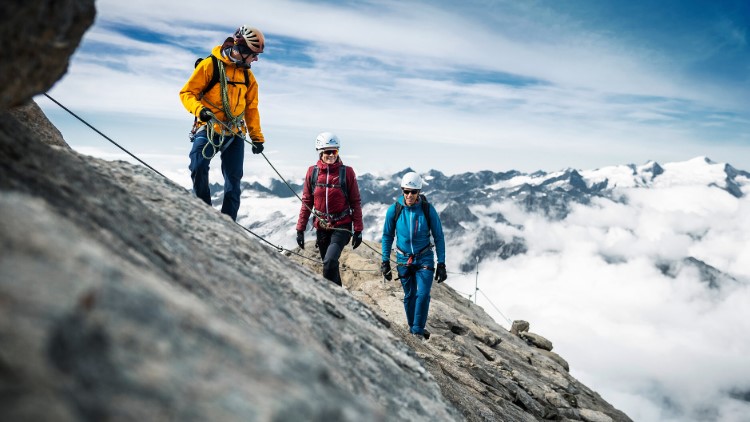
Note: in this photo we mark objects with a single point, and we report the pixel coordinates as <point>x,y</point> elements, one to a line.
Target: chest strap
<point>424,250</point>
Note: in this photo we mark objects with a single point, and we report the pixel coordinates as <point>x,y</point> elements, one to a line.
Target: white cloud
<point>657,347</point>
<point>385,82</point>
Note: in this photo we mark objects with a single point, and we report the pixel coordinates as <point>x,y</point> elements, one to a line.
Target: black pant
<point>330,244</point>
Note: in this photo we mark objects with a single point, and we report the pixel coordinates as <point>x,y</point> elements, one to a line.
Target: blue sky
<point>466,86</point>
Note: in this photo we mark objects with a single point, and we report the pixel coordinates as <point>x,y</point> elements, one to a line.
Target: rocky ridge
<point>487,372</point>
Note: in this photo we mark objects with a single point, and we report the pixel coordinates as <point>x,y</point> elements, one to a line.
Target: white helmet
<point>251,37</point>
<point>327,140</point>
<point>411,180</point>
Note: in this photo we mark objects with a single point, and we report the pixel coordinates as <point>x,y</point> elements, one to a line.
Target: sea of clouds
<point>660,347</point>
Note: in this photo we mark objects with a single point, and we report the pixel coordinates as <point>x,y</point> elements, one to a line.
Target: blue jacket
<point>412,231</point>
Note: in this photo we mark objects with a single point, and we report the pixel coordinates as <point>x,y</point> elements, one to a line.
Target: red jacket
<point>330,200</point>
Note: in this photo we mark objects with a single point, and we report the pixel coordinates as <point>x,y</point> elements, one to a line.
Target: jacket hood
<point>216,51</point>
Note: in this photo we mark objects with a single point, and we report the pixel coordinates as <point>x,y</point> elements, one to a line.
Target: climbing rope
<point>235,122</point>
<point>493,305</point>
<point>229,129</point>
<point>105,136</point>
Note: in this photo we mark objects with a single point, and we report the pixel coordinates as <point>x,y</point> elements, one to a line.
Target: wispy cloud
<point>515,85</point>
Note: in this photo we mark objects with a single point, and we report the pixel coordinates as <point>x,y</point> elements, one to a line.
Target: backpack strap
<point>313,179</point>
<point>425,211</point>
<point>397,212</point>
<point>313,182</point>
<point>215,75</point>
<point>342,182</point>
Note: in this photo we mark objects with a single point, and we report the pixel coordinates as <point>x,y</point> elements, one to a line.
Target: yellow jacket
<point>241,98</point>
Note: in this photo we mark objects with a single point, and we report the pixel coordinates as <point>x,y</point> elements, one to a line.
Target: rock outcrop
<point>38,36</point>
<point>123,297</point>
<point>486,372</point>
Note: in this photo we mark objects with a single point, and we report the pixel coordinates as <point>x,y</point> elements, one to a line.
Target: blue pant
<point>232,160</point>
<point>417,285</point>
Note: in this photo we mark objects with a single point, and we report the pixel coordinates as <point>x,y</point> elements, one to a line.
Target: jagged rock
<point>731,180</point>
<point>536,340</point>
<point>489,245</point>
<point>455,213</point>
<point>519,326</point>
<point>32,117</point>
<point>38,38</point>
<point>589,415</point>
<point>557,358</point>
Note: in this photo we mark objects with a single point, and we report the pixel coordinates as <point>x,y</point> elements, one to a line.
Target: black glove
<point>301,239</point>
<point>356,239</point>
<point>440,273</point>
<point>257,147</point>
<point>205,114</point>
<point>385,269</point>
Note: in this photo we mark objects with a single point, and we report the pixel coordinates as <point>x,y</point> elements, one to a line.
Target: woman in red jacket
<point>330,192</point>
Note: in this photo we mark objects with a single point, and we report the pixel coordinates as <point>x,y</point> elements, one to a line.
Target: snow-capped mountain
<point>641,272</point>
<point>470,204</point>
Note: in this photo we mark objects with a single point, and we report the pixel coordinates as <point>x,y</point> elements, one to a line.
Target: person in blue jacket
<point>410,221</point>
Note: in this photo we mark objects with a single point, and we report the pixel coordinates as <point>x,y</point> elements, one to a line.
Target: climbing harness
<point>328,221</point>
<point>411,268</point>
<point>234,121</point>
<point>235,124</point>
<point>411,256</point>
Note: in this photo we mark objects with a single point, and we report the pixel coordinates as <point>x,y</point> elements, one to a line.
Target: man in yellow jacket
<point>223,94</point>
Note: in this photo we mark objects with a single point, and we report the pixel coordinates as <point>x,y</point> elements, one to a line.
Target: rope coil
<point>234,121</point>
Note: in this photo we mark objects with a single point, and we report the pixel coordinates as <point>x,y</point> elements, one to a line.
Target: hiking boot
<point>424,336</point>
<point>417,337</point>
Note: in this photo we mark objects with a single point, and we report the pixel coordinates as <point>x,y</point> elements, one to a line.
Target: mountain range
<point>466,202</point>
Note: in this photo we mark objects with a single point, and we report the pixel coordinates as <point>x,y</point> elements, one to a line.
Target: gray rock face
<point>537,341</point>
<point>38,37</point>
<point>123,297</point>
<point>34,120</point>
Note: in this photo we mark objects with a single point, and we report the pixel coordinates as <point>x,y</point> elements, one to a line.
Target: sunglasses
<point>329,152</point>
<point>410,192</point>
<point>245,51</point>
